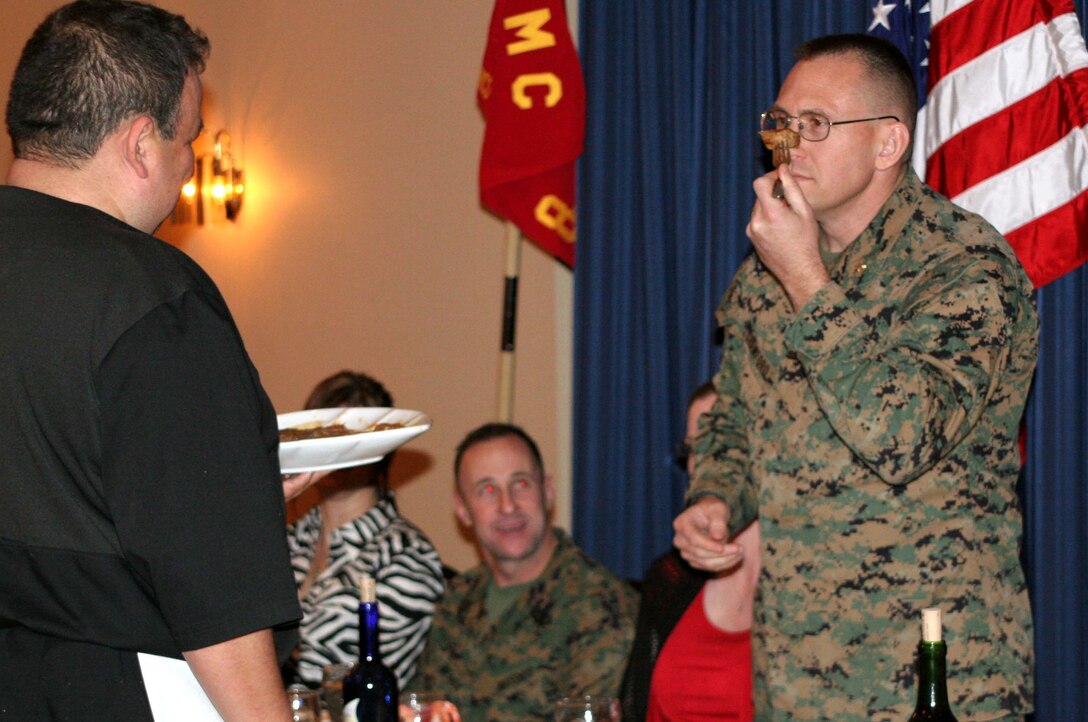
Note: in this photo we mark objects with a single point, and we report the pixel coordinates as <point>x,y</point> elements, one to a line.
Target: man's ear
<point>895,142</point>
<point>461,510</point>
<point>549,492</point>
<point>136,137</point>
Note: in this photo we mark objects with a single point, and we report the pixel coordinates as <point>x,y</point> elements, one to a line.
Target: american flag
<point>1003,97</point>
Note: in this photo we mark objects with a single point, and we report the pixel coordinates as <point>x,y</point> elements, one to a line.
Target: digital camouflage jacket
<point>568,634</point>
<point>874,434</point>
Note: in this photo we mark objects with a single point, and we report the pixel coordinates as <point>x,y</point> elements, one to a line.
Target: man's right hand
<point>702,536</point>
<point>295,484</point>
<point>786,235</point>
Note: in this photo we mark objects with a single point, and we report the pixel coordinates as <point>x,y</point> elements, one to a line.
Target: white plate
<point>340,452</point>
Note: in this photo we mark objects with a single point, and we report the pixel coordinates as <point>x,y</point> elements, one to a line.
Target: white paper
<point>174,692</point>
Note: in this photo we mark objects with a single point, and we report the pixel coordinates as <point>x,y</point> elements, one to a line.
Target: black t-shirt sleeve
<point>190,474</point>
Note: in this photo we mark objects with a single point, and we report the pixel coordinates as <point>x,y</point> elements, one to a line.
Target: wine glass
<point>305,703</point>
<point>332,688</point>
<point>587,708</point>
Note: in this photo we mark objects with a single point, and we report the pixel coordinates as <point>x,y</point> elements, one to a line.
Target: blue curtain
<point>674,90</point>
<point>1055,494</point>
<point>674,94</point>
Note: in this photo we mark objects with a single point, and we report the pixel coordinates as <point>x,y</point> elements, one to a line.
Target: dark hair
<point>490,431</point>
<point>351,388</point>
<point>891,74</point>
<point>704,389</point>
<point>92,64</point>
<point>683,449</point>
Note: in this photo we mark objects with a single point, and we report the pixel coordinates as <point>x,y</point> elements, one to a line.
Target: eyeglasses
<point>811,126</point>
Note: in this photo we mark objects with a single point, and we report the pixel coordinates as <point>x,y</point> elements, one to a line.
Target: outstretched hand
<point>702,536</point>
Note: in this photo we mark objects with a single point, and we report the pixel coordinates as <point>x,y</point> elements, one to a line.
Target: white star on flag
<point>881,11</point>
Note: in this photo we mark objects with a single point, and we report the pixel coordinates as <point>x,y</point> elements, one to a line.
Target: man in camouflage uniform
<point>538,620</point>
<point>879,345</point>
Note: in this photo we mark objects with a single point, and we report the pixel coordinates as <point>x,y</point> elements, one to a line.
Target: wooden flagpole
<point>509,323</point>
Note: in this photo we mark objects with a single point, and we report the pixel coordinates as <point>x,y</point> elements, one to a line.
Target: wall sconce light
<point>214,193</point>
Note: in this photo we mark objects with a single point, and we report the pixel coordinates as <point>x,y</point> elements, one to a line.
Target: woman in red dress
<point>691,658</point>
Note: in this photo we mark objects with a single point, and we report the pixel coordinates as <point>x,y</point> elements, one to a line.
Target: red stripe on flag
<point>1055,243</point>
<point>1016,133</point>
<point>977,27</point>
<point>1006,113</point>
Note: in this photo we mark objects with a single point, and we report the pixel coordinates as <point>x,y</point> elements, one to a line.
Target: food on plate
<point>316,430</point>
<point>310,431</point>
<point>383,427</point>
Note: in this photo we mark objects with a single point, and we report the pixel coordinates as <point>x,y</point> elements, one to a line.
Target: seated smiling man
<point>538,619</point>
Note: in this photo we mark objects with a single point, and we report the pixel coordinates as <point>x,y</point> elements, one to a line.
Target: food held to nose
<point>780,142</point>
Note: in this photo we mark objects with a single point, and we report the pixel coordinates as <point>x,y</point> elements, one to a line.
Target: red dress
<point>703,674</point>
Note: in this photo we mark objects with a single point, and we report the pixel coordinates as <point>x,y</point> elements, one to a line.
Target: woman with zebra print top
<point>355,529</point>
<point>409,574</point>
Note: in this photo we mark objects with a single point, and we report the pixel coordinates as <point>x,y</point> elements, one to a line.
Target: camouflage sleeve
<point>902,389</point>
<point>434,671</point>
<point>600,648</point>
<point>721,445</point>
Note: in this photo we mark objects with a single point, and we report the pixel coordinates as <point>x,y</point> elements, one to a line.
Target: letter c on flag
<point>550,80</point>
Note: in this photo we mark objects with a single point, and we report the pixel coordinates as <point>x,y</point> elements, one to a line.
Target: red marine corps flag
<point>533,101</point>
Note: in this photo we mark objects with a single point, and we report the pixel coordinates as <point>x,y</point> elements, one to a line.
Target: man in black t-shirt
<point>142,541</point>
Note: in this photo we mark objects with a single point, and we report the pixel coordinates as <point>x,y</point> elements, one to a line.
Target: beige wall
<point>362,243</point>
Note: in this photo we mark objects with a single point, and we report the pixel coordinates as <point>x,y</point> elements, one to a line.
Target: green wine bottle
<point>932,687</point>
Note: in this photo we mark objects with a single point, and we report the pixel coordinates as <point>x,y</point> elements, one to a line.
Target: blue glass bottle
<point>370,689</point>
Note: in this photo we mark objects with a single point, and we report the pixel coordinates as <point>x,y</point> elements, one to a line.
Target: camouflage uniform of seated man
<point>538,619</point>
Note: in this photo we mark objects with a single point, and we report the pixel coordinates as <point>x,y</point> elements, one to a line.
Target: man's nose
<point>507,504</point>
